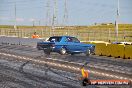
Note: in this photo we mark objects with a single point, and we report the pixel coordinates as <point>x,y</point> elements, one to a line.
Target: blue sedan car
<point>66,44</point>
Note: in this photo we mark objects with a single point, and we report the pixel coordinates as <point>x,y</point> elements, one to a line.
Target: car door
<point>77,44</point>
<point>72,45</point>
<point>69,43</point>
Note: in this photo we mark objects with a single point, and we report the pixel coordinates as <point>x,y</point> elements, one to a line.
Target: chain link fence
<point>83,35</point>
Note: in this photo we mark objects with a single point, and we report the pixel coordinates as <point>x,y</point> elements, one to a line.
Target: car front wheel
<point>88,52</point>
<point>62,51</point>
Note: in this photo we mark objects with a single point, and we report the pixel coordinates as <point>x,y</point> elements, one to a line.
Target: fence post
<point>109,35</point>
<point>124,36</point>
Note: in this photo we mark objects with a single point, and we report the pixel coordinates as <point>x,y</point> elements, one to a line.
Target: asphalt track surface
<point>14,78</point>
<point>36,75</point>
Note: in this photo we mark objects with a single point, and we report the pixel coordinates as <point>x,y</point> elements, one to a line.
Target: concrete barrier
<point>105,49</point>
<point>100,47</point>
<point>128,51</point>
<point>116,50</point>
<point>19,41</point>
<point>108,52</point>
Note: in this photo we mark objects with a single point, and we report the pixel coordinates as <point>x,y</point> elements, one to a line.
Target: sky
<point>79,12</point>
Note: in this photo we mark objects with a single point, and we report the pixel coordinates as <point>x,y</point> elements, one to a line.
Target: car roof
<point>62,36</point>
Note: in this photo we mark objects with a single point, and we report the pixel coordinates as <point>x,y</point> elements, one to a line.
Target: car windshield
<point>54,39</point>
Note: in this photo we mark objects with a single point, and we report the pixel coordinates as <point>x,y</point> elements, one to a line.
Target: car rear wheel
<point>62,51</point>
<point>88,52</point>
<point>72,53</point>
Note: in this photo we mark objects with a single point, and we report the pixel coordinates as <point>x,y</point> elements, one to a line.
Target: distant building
<point>103,23</point>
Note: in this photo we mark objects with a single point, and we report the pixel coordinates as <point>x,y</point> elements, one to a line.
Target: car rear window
<point>55,39</point>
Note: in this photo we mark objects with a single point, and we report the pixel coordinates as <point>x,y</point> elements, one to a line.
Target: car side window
<point>75,39</point>
<point>54,39</point>
<point>69,39</point>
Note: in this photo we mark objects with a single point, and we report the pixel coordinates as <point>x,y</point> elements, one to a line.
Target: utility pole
<point>33,23</point>
<point>54,19</point>
<point>15,26</point>
<point>39,22</point>
<point>65,18</point>
<point>116,23</point>
<point>48,17</point>
<point>48,13</point>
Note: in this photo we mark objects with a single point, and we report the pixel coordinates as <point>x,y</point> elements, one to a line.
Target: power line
<point>21,1</point>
